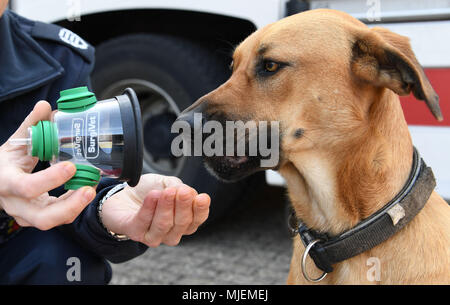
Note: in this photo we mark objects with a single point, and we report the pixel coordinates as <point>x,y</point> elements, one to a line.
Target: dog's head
<point>319,74</point>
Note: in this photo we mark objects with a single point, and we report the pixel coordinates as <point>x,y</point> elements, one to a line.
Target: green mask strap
<point>76,100</point>
<point>85,176</point>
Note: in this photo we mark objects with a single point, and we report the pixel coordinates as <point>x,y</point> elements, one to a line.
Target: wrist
<point>110,193</point>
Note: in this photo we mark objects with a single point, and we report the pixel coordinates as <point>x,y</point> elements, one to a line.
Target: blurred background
<point>171,52</point>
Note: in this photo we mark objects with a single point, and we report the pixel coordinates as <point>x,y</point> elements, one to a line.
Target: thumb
<point>41,112</point>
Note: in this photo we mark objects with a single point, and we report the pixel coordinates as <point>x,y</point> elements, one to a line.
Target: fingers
<point>65,195</point>
<point>144,216</point>
<point>62,211</point>
<point>47,212</point>
<point>163,219</point>
<point>170,181</point>
<point>171,210</point>
<point>178,212</point>
<point>32,185</point>
<point>155,182</point>
<point>41,111</point>
<point>201,212</point>
<point>183,215</point>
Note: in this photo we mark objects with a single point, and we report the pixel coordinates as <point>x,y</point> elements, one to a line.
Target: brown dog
<point>346,151</point>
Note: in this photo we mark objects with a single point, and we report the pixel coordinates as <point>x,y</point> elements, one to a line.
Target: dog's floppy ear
<point>386,59</point>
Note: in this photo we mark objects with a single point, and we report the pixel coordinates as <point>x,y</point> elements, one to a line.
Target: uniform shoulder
<point>55,34</point>
<point>63,36</point>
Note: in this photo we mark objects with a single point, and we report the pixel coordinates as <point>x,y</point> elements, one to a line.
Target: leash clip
<point>305,254</point>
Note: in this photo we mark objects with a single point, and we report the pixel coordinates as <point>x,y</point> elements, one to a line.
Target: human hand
<point>160,209</point>
<point>24,196</point>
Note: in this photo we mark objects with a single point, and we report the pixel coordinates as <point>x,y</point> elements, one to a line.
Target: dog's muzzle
<point>228,165</point>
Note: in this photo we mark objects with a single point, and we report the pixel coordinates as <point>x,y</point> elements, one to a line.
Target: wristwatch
<point>114,190</point>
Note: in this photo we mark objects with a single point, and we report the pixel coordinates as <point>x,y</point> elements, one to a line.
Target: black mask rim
<point>130,113</point>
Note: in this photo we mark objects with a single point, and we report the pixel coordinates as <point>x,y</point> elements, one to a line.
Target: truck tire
<point>168,74</point>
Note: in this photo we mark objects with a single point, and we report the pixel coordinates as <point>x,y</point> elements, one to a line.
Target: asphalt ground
<point>250,245</point>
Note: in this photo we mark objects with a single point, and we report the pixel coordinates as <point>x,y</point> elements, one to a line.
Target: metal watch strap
<point>114,190</point>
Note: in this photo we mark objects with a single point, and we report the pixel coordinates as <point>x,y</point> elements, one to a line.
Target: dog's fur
<point>346,149</point>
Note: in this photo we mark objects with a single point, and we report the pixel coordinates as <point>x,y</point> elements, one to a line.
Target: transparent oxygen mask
<point>102,138</point>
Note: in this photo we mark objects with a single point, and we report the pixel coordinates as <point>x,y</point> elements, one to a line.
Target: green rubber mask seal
<point>76,100</point>
<point>85,176</point>
<point>44,140</point>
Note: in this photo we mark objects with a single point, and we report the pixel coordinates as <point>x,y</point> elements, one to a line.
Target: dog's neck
<point>333,190</point>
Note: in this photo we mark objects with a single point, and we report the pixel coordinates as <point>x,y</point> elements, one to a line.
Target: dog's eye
<point>271,66</point>
<point>267,68</point>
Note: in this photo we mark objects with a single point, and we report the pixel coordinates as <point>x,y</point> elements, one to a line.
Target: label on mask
<point>78,138</point>
<point>85,136</point>
<point>92,122</point>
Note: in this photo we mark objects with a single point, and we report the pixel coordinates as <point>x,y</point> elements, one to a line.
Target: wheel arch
<point>217,32</point>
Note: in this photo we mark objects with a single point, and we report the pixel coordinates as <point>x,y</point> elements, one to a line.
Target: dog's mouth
<point>232,148</point>
<point>232,168</point>
<point>236,161</point>
<point>253,155</point>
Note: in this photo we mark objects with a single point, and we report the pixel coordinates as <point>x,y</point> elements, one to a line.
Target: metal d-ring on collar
<point>293,229</point>
<point>305,255</point>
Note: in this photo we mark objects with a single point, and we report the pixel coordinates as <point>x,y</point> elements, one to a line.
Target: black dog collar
<point>372,231</point>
